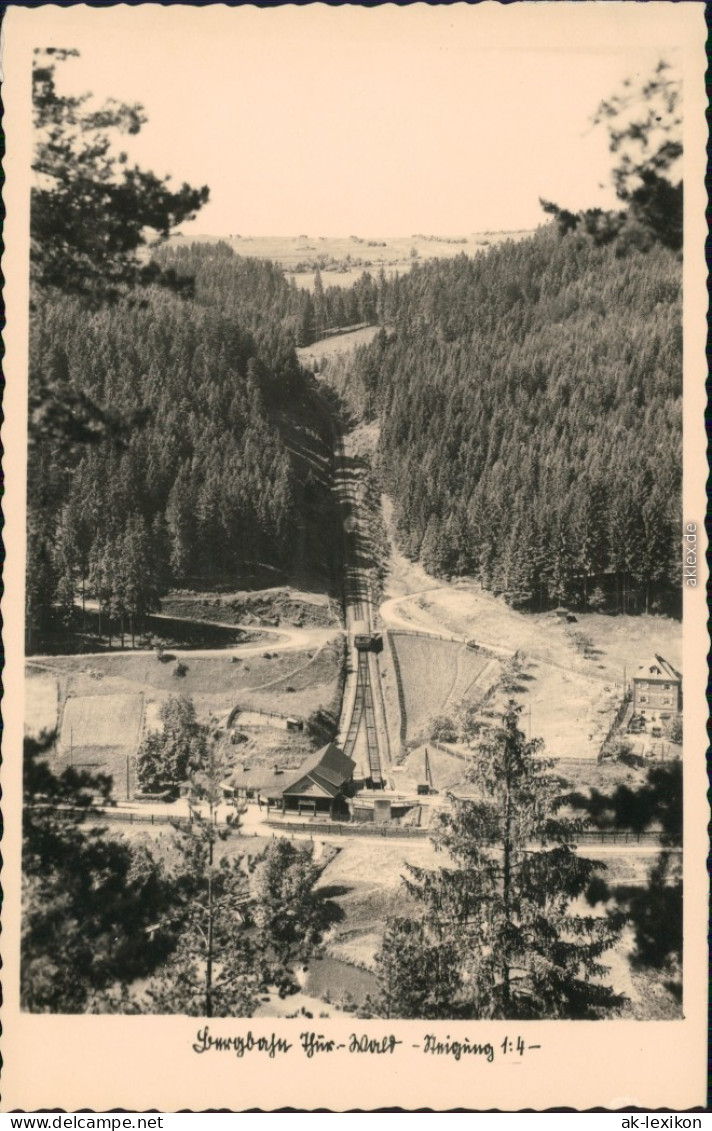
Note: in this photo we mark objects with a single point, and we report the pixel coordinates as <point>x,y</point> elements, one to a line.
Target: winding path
<point>281,640</point>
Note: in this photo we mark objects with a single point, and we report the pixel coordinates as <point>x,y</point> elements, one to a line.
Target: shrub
<point>597,599</point>
<point>581,642</point>
<point>443,729</point>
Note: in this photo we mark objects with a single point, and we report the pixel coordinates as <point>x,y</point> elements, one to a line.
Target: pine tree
<point>66,563</point>
<point>287,910</point>
<point>320,318</point>
<point>90,210</point>
<point>139,570</point>
<point>242,924</point>
<point>41,583</point>
<point>89,899</point>
<point>216,969</point>
<point>181,521</point>
<point>101,580</point>
<point>499,936</point>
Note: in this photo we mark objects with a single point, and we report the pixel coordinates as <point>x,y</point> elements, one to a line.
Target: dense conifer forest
<point>530,403</point>
<point>255,291</point>
<point>216,465</point>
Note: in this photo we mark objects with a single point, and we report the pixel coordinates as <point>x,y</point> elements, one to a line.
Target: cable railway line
<point>361,727</point>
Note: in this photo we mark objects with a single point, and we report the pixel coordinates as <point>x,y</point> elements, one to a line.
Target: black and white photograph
<point>357,557</point>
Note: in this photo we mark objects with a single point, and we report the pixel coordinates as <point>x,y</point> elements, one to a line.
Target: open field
<point>569,699</point>
<point>436,675</point>
<point>100,733</point>
<point>331,347</point>
<point>211,680</point>
<point>101,720</point>
<point>343,259</point>
<point>41,702</point>
<point>363,877</point>
<point>365,881</point>
<point>107,703</point>
<point>619,643</point>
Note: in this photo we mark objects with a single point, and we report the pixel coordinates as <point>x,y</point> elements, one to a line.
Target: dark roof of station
<point>328,769</point>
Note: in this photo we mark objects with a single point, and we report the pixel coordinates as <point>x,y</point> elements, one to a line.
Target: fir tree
<point>499,936</point>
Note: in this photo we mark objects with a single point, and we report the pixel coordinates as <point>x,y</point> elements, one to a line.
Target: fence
<point>611,836</point>
<point>485,649</point>
<point>571,763</point>
<point>449,750</point>
<point>587,837</point>
<point>431,636</point>
<point>403,730</point>
<point>618,718</point>
<point>245,710</point>
<point>125,816</point>
<point>338,829</point>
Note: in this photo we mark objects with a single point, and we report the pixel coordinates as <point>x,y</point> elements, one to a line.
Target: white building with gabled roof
<point>657,689</point>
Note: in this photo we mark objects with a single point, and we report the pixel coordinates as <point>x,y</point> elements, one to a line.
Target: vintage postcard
<point>354,619</point>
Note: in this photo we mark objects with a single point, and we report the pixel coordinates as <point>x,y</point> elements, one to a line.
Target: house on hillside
<point>657,689</point>
<point>318,786</point>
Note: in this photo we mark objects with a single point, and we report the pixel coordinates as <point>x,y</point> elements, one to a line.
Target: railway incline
<point>363,733</point>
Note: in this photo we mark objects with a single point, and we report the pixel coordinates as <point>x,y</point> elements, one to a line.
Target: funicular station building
<point>318,787</point>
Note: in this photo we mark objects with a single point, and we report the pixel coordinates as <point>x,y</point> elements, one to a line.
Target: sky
<point>332,121</point>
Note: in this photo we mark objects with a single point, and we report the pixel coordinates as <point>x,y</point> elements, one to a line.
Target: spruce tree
<point>499,935</point>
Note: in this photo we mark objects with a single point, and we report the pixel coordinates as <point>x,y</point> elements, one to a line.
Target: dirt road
<point>279,640</point>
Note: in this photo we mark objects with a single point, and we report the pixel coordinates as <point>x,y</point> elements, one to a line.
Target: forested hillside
<point>257,290</point>
<point>530,402</point>
<point>222,472</point>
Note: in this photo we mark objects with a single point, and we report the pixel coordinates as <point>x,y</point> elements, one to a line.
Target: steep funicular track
<point>363,718</point>
<point>363,741</point>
